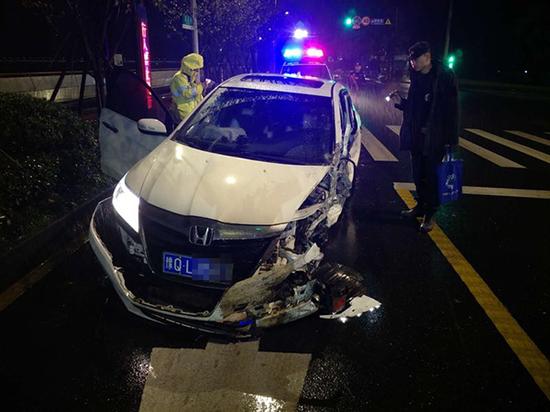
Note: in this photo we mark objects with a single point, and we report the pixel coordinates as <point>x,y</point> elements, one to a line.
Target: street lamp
<point>300,34</point>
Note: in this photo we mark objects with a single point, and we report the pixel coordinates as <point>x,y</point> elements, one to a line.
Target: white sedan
<point>220,227</point>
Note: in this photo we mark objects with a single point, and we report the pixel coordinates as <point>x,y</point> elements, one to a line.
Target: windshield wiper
<point>275,159</point>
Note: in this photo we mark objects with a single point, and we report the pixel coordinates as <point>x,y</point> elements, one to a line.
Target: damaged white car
<point>221,226</point>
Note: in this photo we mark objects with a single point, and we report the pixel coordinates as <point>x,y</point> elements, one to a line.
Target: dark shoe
<point>412,213</point>
<point>427,224</point>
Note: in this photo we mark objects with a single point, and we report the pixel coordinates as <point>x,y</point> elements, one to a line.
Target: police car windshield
<point>314,70</point>
<point>270,126</point>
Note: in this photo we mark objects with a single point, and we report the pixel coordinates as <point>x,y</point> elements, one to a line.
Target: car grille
<point>165,231</point>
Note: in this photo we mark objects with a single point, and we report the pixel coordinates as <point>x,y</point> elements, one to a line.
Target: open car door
<point>124,136</point>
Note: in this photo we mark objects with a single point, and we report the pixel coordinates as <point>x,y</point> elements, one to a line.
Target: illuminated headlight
<point>126,203</point>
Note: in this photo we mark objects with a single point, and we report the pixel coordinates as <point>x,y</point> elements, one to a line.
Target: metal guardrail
<point>42,85</point>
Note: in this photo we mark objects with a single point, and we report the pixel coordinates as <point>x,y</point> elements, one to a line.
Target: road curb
<point>36,249</point>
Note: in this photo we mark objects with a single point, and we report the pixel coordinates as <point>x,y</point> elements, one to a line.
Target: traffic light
<point>451,61</point>
<point>348,22</point>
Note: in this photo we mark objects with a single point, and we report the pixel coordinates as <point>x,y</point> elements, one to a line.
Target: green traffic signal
<point>451,61</point>
<point>348,22</point>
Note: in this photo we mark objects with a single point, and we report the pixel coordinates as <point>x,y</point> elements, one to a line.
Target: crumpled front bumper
<point>104,236</point>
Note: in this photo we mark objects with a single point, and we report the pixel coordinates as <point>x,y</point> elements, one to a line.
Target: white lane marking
<point>488,155</point>
<point>478,150</point>
<point>529,136</point>
<point>376,149</point>
<point>226,377</point>
<point>512,145</point>
<point>490,191</point>
<point>395,129</point>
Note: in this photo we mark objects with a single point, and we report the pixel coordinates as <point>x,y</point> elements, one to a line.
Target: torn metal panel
<point>259,288</point>
<point>357,306</point>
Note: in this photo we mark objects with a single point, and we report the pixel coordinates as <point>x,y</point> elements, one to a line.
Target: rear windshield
<point>271,126</point>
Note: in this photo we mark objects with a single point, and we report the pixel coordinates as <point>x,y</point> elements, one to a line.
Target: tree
<point>227,29</point>
<point>96,27</point>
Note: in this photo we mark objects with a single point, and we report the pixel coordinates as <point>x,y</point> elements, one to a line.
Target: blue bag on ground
<point>449,179</point>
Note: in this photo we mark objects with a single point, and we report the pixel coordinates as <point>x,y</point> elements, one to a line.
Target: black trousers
<point>424,171</point>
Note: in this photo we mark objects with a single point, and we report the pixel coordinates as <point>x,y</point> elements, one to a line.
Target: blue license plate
<point>201,269</point>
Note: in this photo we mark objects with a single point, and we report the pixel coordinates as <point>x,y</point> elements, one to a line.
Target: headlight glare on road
<point>126,204</point>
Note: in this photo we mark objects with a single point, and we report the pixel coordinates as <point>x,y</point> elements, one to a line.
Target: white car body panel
<point>122,144</point>
<point>192,182</point>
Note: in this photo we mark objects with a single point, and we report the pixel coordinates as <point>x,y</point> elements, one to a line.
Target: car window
<point>351,114</point>
<point>130,96</point>
<point>314,70</point>
<point>344,111</point>
<point>263,125</point>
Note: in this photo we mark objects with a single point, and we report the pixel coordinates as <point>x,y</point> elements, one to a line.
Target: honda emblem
<point>201,236</point>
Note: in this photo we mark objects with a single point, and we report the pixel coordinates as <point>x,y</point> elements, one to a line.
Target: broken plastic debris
<point>357,306</point>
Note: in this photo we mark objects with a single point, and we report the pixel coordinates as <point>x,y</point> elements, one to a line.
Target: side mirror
<point>151,126</point>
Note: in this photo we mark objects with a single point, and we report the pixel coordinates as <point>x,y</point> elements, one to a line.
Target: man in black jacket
<point>430,127</point>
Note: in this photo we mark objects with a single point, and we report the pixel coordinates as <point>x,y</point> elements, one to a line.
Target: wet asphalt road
<point>69,344</point>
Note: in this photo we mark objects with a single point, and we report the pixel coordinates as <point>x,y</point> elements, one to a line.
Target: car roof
<point>282,83</point>
<point>304,64</point>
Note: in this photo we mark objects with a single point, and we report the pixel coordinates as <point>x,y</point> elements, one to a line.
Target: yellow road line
<point>525,349</point>
<point>16,290</point>
<point>11,294</point>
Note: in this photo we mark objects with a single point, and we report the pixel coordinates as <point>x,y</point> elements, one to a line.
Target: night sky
<point>496,38</point>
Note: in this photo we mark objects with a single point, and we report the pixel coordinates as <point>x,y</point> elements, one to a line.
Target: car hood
<point>228,189</point>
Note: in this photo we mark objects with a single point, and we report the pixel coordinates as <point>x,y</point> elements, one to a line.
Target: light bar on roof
<point>293,53</point>
<point>314,52</point>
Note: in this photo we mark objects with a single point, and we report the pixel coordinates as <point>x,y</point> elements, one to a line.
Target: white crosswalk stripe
<point>376,149</point>
<point>395,129</point>
<point>490,191</point>
<point>478,150</point>
<point>529,136</point>
<point>223,377</point>
<point>488,155</point>
<point>512,145</point>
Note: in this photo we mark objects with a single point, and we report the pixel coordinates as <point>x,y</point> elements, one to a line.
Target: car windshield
<point>270,126</point>
<point>313,70</point>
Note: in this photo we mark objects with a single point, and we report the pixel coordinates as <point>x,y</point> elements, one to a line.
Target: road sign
<point>359,21</point>
<point>187,22</point>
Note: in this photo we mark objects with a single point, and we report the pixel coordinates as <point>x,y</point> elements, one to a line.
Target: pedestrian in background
<point>185,85</point>
<point>430,127</point>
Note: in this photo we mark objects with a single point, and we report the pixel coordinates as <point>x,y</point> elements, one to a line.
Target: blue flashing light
<point>293,53</point>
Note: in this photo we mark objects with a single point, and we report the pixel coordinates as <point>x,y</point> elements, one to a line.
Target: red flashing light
<point>146,62</point>
<point>314,53</point>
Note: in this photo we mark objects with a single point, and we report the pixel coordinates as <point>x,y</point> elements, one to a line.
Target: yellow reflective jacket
<point>186,90</point>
